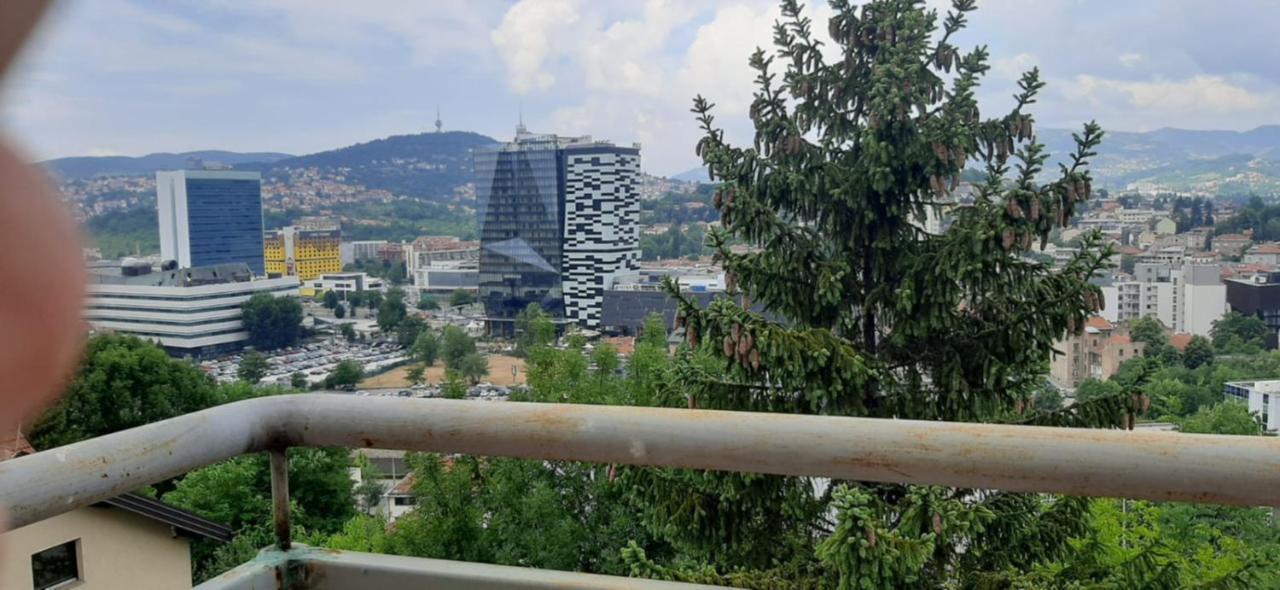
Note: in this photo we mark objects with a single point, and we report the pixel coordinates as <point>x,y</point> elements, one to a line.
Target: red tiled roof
<point>1268,248</point>
<point>1180,341</point>
<point>1098,322</point>
<point>404,487</point>
<point>624,345</point>
<point>1119,339</point>
<point>1130,250</point>
<point>1232,238</point>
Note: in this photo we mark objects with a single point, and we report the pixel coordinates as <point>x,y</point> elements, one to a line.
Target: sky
<point>131,77</point>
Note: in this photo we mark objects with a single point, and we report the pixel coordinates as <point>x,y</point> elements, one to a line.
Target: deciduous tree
<point>272,322</point>
<point>253,367</point>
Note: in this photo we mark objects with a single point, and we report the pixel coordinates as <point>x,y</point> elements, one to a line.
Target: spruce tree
<point>866,313</point>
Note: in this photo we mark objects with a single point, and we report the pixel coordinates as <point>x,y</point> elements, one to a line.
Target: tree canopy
<point>534,328</point>
<point>253,367</point>
<point>123,382</point>
<point>455,344</point>
<point>1239,333</point>
<point>391,310</point>
<point>272,322</point>
<point>345,373</point>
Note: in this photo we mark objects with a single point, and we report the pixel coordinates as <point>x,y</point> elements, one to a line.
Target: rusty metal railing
<point>1148,465</point>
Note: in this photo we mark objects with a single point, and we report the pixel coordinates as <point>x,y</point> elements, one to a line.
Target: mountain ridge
<point>94,166</point>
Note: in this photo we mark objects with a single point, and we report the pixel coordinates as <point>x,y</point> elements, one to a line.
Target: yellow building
<point>303,251</point>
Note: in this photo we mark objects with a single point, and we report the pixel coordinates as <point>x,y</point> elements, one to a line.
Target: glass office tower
<point>558,222</point>
<point>520,193</point>
<point>211,217</point>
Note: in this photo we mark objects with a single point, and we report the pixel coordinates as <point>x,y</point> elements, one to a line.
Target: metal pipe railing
<point>1150,465</point>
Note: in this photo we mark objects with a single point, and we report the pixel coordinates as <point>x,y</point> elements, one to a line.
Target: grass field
<point>499,374</point>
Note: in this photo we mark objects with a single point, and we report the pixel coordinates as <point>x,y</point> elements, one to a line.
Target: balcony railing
<point>1148,465</point>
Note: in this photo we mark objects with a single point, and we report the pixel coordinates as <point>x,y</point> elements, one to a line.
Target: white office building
<point>1185,297</point>
<point>601,226</point>
<point>1260,396</point>
<point>343,283</point>
<point>188,311</point>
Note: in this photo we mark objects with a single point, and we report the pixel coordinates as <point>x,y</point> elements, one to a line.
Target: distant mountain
<point>426,165</point>
<point>90,166</point>
<point>698,174</point>
<point>1219,162</point>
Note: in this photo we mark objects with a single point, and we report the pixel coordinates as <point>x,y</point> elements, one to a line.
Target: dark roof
<point>183,521</point>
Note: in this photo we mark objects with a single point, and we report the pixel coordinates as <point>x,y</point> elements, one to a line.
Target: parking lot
<point>315,361</point>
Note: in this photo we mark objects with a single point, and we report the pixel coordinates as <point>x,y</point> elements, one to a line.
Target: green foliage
<point>346,372</point>
<point>1199,352</point>
<point>339,311</point>
<point>461,297</point>
<point>298,380</point>
<point>534,328</point>
<point>124,233</point>
<point>372,300</point>
<point>391,310</point>
<point>1236,333</point>
<point>253,367</point>
<point>881,545</point>
<point>869,315</point>
<point>426,348</point>
<point>1131,544</point>
<point>123,382</point>
<point>409,329</point>
<point>1256,215</point>
<point>679,208</point>
<point>417,375</point>
<point>272,322</point>
<point>1227,417</point>
<point>471,367</point>
<point>347,332</point>
<point>1148,330</point>
<point>606,360</point>
<point>676,242</point>
<point>395,164</point>
<point>237,493</point>
<point>455,344</point>
<point>453,387</point>
<point>555,515</point>
<point>427,303</point>
<point>330,299</point>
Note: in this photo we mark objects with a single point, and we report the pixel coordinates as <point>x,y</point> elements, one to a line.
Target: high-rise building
<point>305,250</point>
<point>559,221</point>
<point>211,217</point>
<point>1184,296</point>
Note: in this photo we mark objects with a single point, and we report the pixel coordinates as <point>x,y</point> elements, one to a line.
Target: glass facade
<point>224,218</point>
<point>520,192</point>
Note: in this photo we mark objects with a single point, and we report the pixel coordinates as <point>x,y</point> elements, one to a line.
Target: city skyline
<point>130,77</point>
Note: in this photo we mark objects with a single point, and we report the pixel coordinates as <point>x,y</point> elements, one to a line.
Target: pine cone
<point>728,347</point>
<point>1008,238</point>
<point>1014,209</point>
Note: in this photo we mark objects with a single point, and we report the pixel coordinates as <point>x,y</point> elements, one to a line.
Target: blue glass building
<point>559,220</point>
<point>211,217</point>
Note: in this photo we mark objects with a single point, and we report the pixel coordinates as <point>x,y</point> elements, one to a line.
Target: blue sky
<point>137,76</point>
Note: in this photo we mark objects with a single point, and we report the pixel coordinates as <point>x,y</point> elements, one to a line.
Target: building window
<point>404,500</point>
<point>56,567</point>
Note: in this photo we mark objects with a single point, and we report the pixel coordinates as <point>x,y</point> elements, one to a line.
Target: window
<point>404,500</point>
<point>56,567</point>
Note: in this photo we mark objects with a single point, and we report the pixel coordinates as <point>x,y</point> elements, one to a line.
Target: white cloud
<point>532,34</point>
<point>1172,97</point>
<point>1131,59</point>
